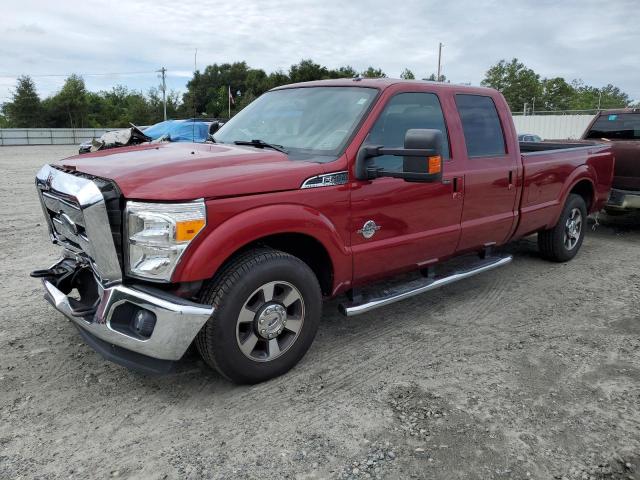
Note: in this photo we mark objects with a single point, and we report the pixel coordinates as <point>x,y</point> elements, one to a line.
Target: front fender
<point>217,244</point>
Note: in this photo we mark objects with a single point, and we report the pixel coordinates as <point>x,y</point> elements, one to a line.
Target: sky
<point>595,41</point>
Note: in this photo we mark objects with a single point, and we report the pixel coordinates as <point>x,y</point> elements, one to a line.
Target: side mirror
<point>422,158</point>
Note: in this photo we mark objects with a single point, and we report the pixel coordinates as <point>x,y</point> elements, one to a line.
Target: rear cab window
<point>481,125</point>
<point>616,126</point>
<point>403,112</point>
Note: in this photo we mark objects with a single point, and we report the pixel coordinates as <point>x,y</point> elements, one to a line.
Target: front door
<point>398,225</point>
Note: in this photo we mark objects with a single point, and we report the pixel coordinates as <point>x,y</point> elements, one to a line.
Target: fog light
<point>143,323</point>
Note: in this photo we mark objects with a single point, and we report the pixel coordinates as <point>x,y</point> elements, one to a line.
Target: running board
<point>411,289</point>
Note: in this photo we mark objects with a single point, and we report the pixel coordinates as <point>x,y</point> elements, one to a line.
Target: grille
<point>68,221</point>
<point>113,203</point>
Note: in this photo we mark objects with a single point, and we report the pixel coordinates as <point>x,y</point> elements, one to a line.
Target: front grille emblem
<point>68,222</point>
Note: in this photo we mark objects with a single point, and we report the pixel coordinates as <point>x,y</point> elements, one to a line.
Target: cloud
<point>574,39</point>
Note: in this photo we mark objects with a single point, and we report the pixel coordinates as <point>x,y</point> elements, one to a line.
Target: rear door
<point>491,173</point>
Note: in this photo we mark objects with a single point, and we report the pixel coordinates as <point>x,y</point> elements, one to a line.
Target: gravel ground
<point>529,371</point>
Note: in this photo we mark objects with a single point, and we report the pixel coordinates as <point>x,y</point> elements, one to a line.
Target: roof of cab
<point>379,83</point>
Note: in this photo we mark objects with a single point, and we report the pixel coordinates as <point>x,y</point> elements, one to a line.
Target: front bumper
<point>110,310</point>
<point>623,199</point>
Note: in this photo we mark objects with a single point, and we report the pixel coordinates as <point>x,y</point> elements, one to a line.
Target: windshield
<point>179,131</point>
<point>616,126</point>
<point>310,123</point>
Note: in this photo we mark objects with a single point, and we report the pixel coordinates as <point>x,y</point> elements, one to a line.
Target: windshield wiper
<point>261,144</point>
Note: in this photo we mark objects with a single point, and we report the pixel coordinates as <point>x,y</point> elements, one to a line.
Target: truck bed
<point>547,166</point>
<point>532,147</point>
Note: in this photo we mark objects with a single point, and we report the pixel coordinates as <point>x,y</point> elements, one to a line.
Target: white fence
<point>553,126</point>
<point>48,136</point>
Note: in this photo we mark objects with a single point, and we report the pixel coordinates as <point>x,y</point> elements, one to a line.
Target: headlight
<point>158,234</point>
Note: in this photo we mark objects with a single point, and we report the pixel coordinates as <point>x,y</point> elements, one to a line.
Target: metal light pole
<point>163,75</point>
<point>439,60</point>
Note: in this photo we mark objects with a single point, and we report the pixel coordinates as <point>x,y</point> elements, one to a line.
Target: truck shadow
<point>619,223</point>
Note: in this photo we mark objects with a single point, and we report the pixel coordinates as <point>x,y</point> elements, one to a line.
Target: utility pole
<point>439,59</point>
<point>163,75</point>
<point>599,98</point>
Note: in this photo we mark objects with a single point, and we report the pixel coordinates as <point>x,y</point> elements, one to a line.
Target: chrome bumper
<point>177,320</point>
<point>623,199</point>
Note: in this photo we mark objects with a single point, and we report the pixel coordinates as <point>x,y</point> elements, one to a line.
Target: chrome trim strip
<point>326,180</point>
<point>82,201</point>
<point>177,323</point>
<point>351,309</point>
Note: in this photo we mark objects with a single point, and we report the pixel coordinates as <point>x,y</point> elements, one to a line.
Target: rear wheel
<point>267,307</point>
<point>562,242</point>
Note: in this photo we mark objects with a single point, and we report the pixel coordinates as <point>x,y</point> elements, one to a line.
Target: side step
<point>389,296</point>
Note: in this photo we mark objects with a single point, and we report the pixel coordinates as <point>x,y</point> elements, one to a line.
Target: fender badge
<point>369,229</point>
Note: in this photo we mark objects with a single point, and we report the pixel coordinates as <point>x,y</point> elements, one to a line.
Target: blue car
<point>179,131</point>
<point>189,130</point>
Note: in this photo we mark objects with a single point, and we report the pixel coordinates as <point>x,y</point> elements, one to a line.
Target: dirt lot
<point>531,371</point>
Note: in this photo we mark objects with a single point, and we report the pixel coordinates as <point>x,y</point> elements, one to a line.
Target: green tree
<point>154,99</point>
<point>25,108</point>
<point>70,106</point>
<point>432,78</point>
<point>556,94</point>
<point>207,91</point>
<point>518,84</point>
<point>373,73</point>
<point>407,75</point>
<point>307,70</point>
<point>277,78</point>
<point>343,72</point>
<point>588,97</point>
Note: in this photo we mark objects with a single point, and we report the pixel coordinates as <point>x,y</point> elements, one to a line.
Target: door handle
<point>457,187</point>
<point>510,179</point>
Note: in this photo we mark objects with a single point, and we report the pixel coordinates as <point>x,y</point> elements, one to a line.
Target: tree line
<point>526,91</point>
<point>207,95</point>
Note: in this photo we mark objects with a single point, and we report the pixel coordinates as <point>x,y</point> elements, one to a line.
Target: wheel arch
<point>586,189</point>
<point>297,230</point>
<point>580,182</point>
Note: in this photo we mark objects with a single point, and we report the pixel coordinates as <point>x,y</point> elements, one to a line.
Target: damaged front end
<point>116,138</point>
<point>135,325</point>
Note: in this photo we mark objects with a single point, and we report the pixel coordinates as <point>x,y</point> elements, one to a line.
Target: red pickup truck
<point>314,190</point>
<point>621,128</point>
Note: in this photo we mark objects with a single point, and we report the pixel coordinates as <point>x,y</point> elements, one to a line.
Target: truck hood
<point>186,171</point>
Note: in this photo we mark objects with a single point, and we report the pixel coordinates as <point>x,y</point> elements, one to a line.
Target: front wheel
<point>562,242</point>
<point>267,307</point>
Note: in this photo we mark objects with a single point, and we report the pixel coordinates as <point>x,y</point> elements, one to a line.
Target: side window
<point>404,112</point>
<point>481,125</point>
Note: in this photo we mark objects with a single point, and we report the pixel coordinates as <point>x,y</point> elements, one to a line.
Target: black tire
<point>557,244</point>
<point>219,341</point>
